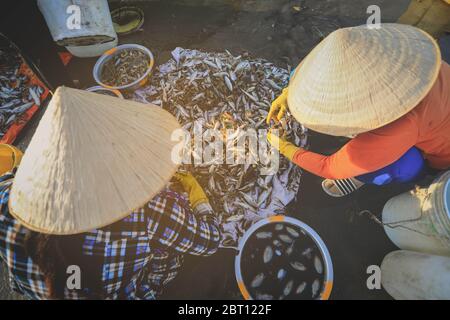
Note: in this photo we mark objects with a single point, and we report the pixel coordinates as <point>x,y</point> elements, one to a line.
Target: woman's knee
<point>410,166</point>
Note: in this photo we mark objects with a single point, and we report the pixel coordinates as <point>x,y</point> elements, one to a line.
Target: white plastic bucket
<point>419,220</point>
<point>328,265</point>
<point>96,33</point>
<point>408,275</point>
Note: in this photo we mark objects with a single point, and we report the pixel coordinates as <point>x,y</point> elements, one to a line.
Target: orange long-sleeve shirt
<point>427,127</point>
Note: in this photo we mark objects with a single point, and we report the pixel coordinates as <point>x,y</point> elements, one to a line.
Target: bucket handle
<point>397,224</point>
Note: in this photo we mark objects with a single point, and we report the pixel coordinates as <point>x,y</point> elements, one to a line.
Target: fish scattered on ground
<point>225,92</point>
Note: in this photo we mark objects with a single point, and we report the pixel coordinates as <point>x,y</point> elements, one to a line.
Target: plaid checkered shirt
<point>131,259</point>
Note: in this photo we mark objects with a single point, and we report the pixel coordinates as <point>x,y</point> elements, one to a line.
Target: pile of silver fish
<point>16,94</point>
<point>221,91</point>
<point>280,261</point>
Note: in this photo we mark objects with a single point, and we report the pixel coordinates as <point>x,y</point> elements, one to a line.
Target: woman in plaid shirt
<point>92,160</point>
<point>130,259</point>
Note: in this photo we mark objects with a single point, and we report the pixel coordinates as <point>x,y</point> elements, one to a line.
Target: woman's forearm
<point>329,167</point>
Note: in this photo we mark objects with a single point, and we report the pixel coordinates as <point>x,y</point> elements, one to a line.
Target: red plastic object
<point>17,126</point>
<point>65,57</point>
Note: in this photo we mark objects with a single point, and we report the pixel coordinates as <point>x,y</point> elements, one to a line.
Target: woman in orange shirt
<point>386,88</point>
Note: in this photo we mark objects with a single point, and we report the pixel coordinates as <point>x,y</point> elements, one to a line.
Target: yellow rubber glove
<point>10,158</point>
<point>192,187</point>
<point>286,148</point>
<point>278,105</point>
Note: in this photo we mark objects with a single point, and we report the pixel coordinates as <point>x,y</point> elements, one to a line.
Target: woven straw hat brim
<point>92,161</point>
<point>359,79</point>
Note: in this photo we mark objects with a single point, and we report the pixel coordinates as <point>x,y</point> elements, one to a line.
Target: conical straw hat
<point>358,79</point>
<point>92,160</point>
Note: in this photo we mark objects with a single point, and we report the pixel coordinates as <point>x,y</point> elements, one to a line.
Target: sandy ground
<point>285,37</point>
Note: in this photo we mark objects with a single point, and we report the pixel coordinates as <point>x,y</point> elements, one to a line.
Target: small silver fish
<point>315,287</point>
<point>9,104</point>
<point>300,288</point>
<point>258,280</point>
<point>288,288</point>
<point>273,84</point>
<point>264,297</point>
<point>228,83</point>
<point>241,66</point>
<point>35,97</point>
<point>307,253</point>
<point>268,254</point>
<point>298,266</point>
<point>21,109</point>
<point>318,265</point>
<point>211,64</point>
<point>10,119</point>
<point>292,232</point>
<point>281,274</point>
<point>285,238</point>
<point>263,235</point>
<point>237,217</point>
<point>290,250</point>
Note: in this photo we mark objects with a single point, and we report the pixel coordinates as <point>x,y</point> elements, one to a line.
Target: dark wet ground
<point>284,37</point>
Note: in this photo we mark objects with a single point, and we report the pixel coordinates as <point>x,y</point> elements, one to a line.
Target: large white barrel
<point>96,33</point>
<point>408,275</point>
<point>419,220</point>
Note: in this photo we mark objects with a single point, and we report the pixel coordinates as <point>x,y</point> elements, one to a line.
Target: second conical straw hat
<point>358,79</point>
<point>92,160</point>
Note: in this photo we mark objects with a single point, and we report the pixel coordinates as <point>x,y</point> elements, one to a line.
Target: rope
<point>393,225</point>
<point>398,224</point>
